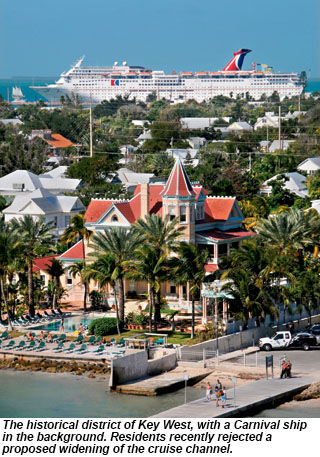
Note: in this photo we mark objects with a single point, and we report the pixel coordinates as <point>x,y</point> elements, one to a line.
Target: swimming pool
<point>70,324</point>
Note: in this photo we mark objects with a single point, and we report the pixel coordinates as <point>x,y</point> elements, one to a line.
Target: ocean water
<point>31,96</point>
<point>37,394</point>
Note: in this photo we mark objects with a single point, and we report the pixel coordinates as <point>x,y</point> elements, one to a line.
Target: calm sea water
<point>32,394</point>
<point>32,96</point>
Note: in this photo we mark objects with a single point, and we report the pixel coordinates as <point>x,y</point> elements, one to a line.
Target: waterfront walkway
<point>249,398</point>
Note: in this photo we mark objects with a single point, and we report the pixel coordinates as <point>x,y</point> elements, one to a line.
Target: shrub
<point>103,326</point>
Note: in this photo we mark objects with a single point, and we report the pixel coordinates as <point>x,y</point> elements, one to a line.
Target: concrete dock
<point>249,399</point>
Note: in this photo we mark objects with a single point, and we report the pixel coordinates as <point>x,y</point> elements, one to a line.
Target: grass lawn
<point>173,337</point>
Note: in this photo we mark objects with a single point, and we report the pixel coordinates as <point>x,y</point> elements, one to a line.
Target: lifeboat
<point>201,73</point>
<point>186,73</point>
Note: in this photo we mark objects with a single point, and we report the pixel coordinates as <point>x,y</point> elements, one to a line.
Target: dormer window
<point>114,218</point>
<point>199,212</point>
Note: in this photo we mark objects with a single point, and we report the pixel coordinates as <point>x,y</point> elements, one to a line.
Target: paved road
<point>306,362</point>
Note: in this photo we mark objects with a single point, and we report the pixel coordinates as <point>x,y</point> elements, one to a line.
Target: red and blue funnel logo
<point>236,62</point>
<point>114,82</point>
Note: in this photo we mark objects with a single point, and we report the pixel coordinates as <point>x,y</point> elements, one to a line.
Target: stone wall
<point>136,366</point>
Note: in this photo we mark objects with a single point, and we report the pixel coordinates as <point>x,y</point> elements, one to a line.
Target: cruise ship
<point>95,84</point>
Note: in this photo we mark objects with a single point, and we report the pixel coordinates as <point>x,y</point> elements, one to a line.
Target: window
<point>172,212</point>
<point>69,278</point>
<point>55,221</point>
<point>200,212</point>
<point>67,220</point>
<point>114,218</point>
<point>43,279</point>
<point>173,289</point>
<point>183,214</point>
<point>279,337</point>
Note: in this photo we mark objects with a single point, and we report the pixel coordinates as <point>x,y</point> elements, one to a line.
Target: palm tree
<point>7,254</point>
<point>289,232</point>
<point>78,230</point>
<point>101,270</point>
<point>190,268</point>
<point>34,238</point>
<point>148,266</point>
<point>120,243</point>
<point>250,281</point>
<point>55,270</point>
<point>162,235</point>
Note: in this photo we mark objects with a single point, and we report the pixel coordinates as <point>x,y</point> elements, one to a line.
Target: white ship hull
<point>95,84</point>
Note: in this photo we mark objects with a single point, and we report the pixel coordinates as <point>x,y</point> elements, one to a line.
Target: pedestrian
<point>208,391</point>
<point>80,329</point>
<point>283,369</point>
<point>217,395</point>
<point>223,397</point>
<point>288,369</point>
<point>218,384</point>
<point>62,325</point>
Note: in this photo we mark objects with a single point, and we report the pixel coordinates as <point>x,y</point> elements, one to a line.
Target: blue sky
<point>43,38</point>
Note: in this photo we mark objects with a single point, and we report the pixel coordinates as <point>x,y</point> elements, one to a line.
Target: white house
<point>200,123</point>
<point>54,208</point>
<point>130,179</point>
<point>25,181</point>
<point>296,184</point>
<point>182,154</point>
<point>310,165</point>
<point>269,119</point>
<point>197,142</point>
<point>275,145</point>
<point>239,127</point>
<point>143,137</point>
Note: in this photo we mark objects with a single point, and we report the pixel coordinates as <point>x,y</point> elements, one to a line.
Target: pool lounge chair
<point>62,337</point>
<point>58,348</point>
<point>5,335</point>
<point>82,348</point>
<point>70,348</point>
<point>91,340</point>
<point>31,346</point>
<point>41,347</point>
<point>100,349</point>
<point>118,352</point>
<point>98,340</point>
<point>20,345</point>
<point>79,339</point>
<point>9,345</point>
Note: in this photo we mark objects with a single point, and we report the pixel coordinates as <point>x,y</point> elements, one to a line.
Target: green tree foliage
<point>313,185</point>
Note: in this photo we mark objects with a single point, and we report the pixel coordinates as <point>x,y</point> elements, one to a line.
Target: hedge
<point>103,326</point>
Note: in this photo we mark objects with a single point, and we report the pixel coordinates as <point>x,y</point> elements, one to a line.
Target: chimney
<point>144,190</point>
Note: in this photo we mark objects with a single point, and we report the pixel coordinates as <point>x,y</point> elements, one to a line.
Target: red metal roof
<point>58,141</point>
<point>210,267</point>
<point>42,263</point>
<point>218,208</point>
<point>75,252</point>
<point>221,235</point>
<point>96,208</point>
<point>178,183</point>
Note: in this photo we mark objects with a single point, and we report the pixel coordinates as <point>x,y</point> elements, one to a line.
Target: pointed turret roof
<point>178,184</point>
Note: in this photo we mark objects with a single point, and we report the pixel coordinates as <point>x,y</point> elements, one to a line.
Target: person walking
<point>62,325</point>
<point>288,369</point>
<point>283,369</point>
<point>223,397</point>
<point>208,391</point>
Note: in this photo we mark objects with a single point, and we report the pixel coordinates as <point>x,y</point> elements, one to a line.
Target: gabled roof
<point>96,209</point>
<point>42,263</point>
<point>58,141</point>
<point>312,163</point>
<point>178,184</point>
<point>74,253</point>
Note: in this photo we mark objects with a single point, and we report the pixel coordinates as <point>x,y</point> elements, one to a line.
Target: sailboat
<point>17,95</point>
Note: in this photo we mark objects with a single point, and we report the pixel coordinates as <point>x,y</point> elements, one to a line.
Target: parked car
<point>285,339</point>
<point>315,330</point>
<point>304,340</point>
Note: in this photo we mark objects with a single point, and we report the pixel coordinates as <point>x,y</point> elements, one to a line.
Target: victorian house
<point>213,223</point>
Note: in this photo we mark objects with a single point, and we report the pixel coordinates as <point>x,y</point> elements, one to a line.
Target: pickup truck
<point>285,339</point>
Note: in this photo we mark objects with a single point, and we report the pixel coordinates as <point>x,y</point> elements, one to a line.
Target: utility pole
<point>299,106</point>
<point>267,137</point>
<point>249,162</point>
<point>90,125</point>
<point>279,135</point>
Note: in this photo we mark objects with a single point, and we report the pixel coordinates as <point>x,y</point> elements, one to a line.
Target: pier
<point>248,399</point>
